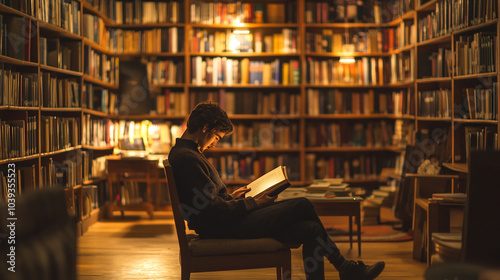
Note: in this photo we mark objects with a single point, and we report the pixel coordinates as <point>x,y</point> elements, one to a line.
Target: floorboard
<point>135,247</point>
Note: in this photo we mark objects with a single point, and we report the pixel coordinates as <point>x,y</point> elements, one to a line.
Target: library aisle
<point>138,248</point>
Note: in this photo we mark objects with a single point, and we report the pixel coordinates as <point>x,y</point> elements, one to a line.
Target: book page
<point>266,181</point>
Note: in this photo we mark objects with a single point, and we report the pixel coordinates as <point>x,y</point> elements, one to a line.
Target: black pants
<point>289,221</point>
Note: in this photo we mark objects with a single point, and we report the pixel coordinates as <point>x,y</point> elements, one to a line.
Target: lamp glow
<point>347,60</point>
<point>240,31</point>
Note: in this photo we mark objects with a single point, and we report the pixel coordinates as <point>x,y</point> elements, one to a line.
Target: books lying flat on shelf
<point>273,182</point>
<point>450,197</point>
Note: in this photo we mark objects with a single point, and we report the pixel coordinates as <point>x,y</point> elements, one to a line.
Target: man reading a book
<point>214,213</point>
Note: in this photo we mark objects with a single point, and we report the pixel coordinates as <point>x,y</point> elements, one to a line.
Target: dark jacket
<point>202,194</point>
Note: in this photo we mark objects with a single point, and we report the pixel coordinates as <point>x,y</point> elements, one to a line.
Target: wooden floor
<point>138,248</point>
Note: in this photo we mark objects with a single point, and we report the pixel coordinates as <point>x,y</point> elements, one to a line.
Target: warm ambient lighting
<point>347,60</point>
<point>347,52</point>
<point>241,32</point>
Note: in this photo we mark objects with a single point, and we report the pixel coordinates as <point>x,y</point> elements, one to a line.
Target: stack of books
<point>447,246</point>
<point>383,196</point>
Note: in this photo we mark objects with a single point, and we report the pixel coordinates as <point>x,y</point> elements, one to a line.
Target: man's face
<point>210,139</point>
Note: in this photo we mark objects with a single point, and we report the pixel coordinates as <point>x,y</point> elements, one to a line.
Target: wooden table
<point>138,170</point>
<point>341,207</point>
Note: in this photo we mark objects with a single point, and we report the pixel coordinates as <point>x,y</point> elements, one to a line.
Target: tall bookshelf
<point>295,114</point>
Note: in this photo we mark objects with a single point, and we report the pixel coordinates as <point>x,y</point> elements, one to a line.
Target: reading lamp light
<point>347,51</point>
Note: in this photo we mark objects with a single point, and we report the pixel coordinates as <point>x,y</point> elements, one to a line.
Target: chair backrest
<point>180,226</point>
<point>481,244</point>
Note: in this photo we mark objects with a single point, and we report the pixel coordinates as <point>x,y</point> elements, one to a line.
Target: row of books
<point>257,42</point>
<point>162,136</point>
<point>24,32</point>
<point>146,12</point>
<point>347,167</point>
<point>157,40</point>
<point>335,101</point>
<point>480,138</point>
<point>99,99</point>
<point>61,173</point>
<point>59,133</point>
<point>97,132</point>
<point>343,11</point>
<point>403,135</point>
<point>371,41</point>
<point>343,134</point>
<point>90,199</point>
<point>101,66</point>
<point>251,102</point>
<point>25,180</point>
<point>435,103</point>
<point>130,193</point>
<point>59,92</point>
<point>94,29</point>
<point>62,13</point>
<point>476,54</point>
<point>171,103</point>
<point>18,88</point>
<point>226,71</point>
<point>92,166</point>
<point>365,71</point>
<point>19,137</point>
<point>165,72</point>
<point>238,12</point>
<point>106,7</point>
<point>450,15</point>
<point>480,103</point>
<point>469,12</point>
<point>269,134</point>
<point>25,6</point>
<point>398,8</point>
<point>63,54</point>
<point>252,166</point>
<point>435,64</point>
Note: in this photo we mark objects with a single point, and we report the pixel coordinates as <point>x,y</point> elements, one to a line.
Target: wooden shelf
<point>97,148</point>
<point>356,54</point>
<point>96,113</point>
<point>8,10</point>
<point>243,86</point>
<point>476,76</point>
<point>18,159</point>
<point>153,117</point>
<point>243,54</point>
<point>86,6</point>
<point>434,119</point>
<point>47,154</point>
<point>352,149</point>
<point>55,30</point>
<point>61,109</point>
<point>490,23</point>
<point>458,120</point>
<point>98,47</point>
<point>60,70</point>
<point>424,176</point>
<point>264,117</point>
<point>14,61</point>
<point>427,7</point>
<point>18,108</point>
<point>352,116</point>
<point>136,54</point>
<point>244,25</point>
<point>253,149</point>
<point>148,25</point>
<point>96,81</point>
<point>435,41</point>
<point>434,80</point>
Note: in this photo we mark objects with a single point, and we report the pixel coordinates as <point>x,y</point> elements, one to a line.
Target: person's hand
<point>240,192</point>
<point>265,200</point>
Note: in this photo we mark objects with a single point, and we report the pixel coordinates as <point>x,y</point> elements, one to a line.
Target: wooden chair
<point>202,255</point>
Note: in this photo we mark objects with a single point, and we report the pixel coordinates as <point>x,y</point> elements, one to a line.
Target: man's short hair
<point>211,115</point>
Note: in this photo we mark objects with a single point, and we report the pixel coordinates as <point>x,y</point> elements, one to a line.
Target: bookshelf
<point>286,107</point>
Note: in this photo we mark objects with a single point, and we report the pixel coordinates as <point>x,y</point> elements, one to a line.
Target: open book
<point>274,181</point>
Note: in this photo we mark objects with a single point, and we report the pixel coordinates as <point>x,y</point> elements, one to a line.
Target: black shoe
<point>352,270</point>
